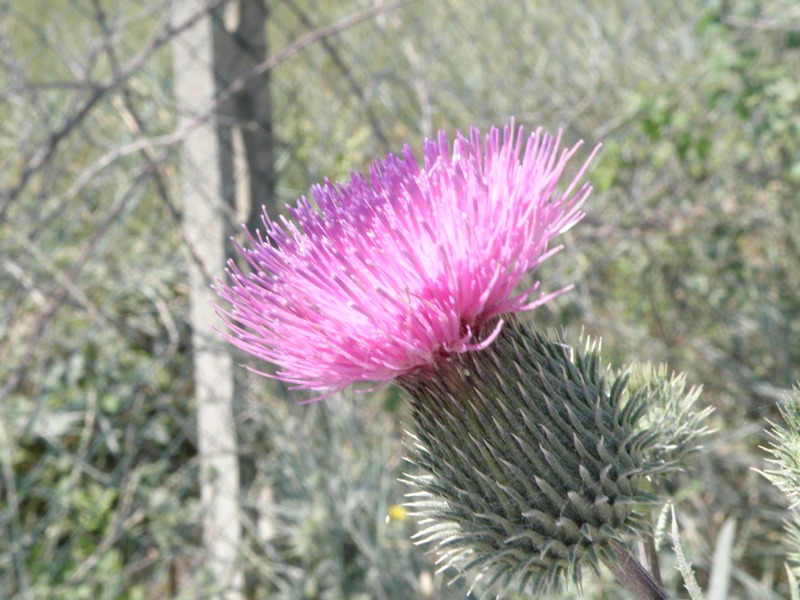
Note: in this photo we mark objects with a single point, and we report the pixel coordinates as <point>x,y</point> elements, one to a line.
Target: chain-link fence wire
<point>689,255</point>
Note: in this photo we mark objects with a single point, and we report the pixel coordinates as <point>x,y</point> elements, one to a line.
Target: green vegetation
<point>690,256</point>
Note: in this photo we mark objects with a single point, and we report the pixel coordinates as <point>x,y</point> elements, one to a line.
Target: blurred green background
<point>689,255</point>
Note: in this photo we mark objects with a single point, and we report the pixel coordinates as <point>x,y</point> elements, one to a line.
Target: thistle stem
<point>632,575</point>
<point>651,557</point>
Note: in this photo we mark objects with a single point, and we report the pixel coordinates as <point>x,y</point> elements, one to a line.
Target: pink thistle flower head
<point>390,273</point>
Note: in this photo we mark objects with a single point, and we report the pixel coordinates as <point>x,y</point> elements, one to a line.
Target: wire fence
<point>135,138</point>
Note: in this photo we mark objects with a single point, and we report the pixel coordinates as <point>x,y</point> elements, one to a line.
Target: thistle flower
<point>393,272</point>
<point>532,463</point>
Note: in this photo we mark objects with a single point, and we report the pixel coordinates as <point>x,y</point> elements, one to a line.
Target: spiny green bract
<point>785,451</point>
<point>533,458</point>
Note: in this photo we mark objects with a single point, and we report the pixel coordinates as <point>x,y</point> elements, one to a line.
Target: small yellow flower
<point>395,513</point>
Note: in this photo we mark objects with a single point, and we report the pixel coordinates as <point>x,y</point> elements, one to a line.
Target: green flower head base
<point>534,461</point>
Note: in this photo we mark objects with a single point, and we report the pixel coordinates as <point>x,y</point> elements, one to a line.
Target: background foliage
<point>689,256</point>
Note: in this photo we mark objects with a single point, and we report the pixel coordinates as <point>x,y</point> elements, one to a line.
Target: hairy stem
<point>632,575</point>
<point>651,557</point>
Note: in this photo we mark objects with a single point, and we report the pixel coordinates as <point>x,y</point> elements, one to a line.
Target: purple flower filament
<point>390,273</point>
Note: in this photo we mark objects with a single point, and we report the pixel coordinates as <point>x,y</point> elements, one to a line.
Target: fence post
<point>206,232</point>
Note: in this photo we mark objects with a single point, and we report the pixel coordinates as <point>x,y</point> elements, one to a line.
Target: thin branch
<point>338,60</point>
<point>41,158</point>
<point>48,313</point>
<point>208,111</point>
